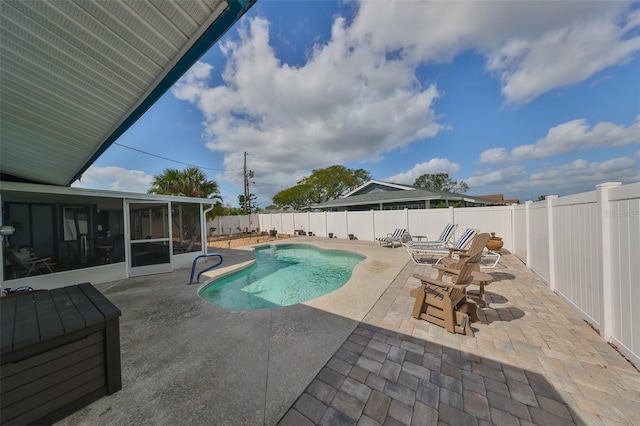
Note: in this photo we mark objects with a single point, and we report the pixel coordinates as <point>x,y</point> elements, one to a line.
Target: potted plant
<point>352,237</point>
<point>273,232</point>
<point>330,234</point>
<point>310,234</point>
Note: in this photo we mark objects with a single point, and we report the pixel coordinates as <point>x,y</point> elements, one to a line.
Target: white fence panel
<point>287,223</point>
<point>539,235</point>
<point>624,212</point>
<point>386,221</point>
<point>520,231</point>
<point>578,254</point>
<point>429,222</point>
<point>337,224</point>
<point>360,224</point>
<point>301,221</point>
<point>487,219</point>
<point>318,224</point>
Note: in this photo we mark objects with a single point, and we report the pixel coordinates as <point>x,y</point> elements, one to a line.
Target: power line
<point>170,159</point>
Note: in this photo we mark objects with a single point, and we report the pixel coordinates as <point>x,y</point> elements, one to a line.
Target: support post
<point>552,246</point>
<point>604,235</point>
<point>527,233</point>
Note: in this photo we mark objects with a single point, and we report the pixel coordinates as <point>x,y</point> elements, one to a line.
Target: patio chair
<point>444,240</point>
<point>420,254</point>
<point>445,303</point>
<point>396,236</point>
<point>474,252</point>
<point>19,268</point>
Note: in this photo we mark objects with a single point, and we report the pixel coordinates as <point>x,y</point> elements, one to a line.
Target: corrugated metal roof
<point>74,75</point>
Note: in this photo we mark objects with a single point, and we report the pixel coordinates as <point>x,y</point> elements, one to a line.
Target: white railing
<point>586,247</point>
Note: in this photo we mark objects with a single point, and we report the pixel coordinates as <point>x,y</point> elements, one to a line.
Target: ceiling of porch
<point>75,75</point>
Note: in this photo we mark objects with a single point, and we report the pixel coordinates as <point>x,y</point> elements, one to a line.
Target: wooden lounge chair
<point>420,254</point>
<point>395,237</point>
<point>445,303</point>
<point>444,240</point>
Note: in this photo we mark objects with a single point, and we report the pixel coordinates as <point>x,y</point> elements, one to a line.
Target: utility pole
<point>246,186</point>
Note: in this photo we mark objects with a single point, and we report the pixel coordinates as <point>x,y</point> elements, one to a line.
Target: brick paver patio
<point>532,361</point>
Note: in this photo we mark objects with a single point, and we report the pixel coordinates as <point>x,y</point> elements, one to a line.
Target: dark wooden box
<point>60,350</point>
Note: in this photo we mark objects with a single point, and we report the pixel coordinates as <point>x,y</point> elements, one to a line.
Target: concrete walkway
<point>185,361</point>
<point>532,361</point>
<point>356,356</point>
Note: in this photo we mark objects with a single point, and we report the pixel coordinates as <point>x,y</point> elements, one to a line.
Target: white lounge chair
<point>395,237</point>
<point>444,240</point>
<point>419,254</point>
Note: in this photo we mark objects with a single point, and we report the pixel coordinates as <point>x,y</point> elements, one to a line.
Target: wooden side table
<point>481,279</point>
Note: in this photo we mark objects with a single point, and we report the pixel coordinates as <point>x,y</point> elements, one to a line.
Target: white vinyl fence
<point>586,247</point>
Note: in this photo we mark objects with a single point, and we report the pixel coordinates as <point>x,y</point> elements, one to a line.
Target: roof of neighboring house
<point>76,75</point>
<point>499,198</point>
<point>397,194</point>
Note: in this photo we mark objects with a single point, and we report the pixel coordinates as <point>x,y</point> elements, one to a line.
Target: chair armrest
<point>438,283</point>
<point>447,269</point>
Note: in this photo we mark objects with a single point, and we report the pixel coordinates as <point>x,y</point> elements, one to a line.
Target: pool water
<point>283,275</point>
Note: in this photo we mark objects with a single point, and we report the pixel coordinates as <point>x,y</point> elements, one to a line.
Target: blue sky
<point>521,98</point>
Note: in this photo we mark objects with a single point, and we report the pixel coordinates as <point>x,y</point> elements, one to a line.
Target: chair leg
<point>420,295</point>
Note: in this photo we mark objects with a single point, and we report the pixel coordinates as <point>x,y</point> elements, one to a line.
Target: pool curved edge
<point>216,274</point>
<point>370,278</point>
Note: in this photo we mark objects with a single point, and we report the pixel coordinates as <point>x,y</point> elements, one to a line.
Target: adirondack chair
<point>472,254</point>
<point>445,303</point>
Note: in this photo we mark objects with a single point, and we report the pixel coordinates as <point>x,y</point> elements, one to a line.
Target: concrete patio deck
<point>356,356</point>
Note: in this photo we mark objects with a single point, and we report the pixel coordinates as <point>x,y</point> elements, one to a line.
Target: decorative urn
<point>494,243</point>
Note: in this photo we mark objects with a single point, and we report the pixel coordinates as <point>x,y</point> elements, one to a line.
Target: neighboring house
<point>75,76</point>
<point>499,199</point>
<point>380,195</point>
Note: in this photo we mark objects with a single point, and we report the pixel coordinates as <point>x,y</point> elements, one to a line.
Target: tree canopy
<point>442,182</point>
<point>322,185</point>
<point>190,182</point>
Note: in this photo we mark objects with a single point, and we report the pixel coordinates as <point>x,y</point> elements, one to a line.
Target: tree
<point>442,182</point>
<point>322,185</point>
<point>190,182</point>
<point>252,206</point>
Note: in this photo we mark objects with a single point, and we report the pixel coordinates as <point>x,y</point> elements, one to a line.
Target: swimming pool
<point>283,275</point>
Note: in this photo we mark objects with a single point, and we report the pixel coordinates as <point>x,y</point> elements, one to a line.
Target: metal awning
<point>75,75</point>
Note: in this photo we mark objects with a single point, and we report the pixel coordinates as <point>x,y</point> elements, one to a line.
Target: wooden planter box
<point>60,351</point>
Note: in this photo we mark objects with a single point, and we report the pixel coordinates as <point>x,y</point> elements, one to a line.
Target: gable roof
<point>397,193</point>
<point>373,182</point>
<point>76,75</point>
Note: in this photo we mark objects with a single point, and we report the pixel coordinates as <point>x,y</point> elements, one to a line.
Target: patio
<point>356,356</point>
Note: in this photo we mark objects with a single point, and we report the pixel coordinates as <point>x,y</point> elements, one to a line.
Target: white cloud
<point>116,179</point>
<point>571,178</point>
<point>435,165</point>
<point>562,56</point>
<point>568,137</point>
<point>534,47</point>
<point>357,96</point>
<point>496,177</point>
<point>347,103</point>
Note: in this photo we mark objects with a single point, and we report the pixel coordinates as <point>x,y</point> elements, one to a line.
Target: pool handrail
<point>193,266</point>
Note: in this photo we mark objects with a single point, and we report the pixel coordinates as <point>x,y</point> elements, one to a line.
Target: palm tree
<point>190,182</point>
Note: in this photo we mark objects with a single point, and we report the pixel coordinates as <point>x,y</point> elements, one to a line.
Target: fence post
<point>373,224</point>
<point>604,234</point>
<point>552,246</point>
<point>406,219</point>
<point>346,222</point>
<point>527,233</point>
<point>452,215</point>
